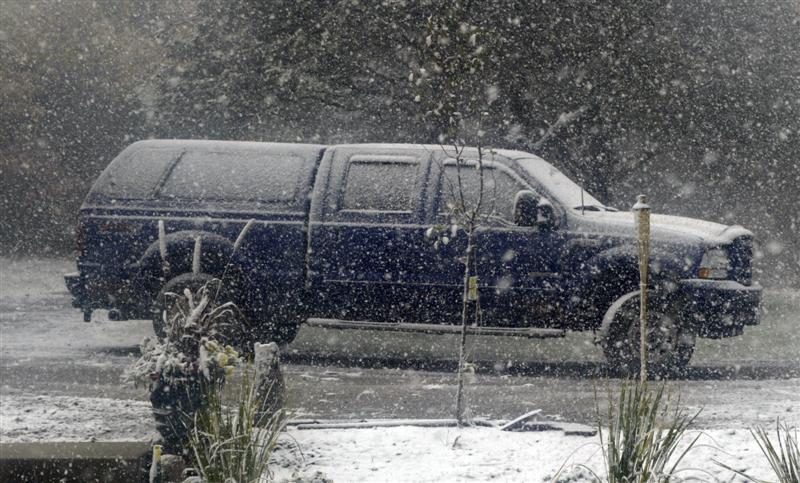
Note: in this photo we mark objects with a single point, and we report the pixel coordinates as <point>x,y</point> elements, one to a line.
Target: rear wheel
<point>285,333</point>
<point>670,342</point>
<point>281,328</point>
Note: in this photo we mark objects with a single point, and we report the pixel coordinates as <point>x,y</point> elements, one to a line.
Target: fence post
<point>642,214</point>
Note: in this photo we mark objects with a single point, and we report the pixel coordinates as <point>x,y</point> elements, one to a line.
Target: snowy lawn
<point>484,454</point>
<point>404,453</point>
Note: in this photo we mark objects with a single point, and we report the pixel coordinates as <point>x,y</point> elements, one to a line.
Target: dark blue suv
<point>338,233</point>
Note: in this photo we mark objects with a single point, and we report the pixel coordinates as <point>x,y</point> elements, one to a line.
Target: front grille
<point>741,256</point>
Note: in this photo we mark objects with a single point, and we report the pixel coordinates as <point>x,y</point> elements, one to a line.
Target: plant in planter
<point>233,442</point>
<point>191,362</point>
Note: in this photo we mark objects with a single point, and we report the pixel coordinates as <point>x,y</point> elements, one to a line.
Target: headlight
<point>715,264</point>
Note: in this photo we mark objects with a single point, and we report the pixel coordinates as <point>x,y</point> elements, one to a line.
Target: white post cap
<point>641,203</point>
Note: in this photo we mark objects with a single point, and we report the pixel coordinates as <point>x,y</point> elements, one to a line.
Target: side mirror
<point>545,215</point>
<point>532,210</point>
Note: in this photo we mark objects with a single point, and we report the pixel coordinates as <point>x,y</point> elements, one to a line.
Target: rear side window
<point>136,175</point>
<point>234,176</point>
<point>385,185</point>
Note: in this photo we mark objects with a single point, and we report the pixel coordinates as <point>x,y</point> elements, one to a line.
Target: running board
<point>528,332</point>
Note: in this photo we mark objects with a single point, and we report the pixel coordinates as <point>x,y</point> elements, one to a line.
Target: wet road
<point>46,349</point>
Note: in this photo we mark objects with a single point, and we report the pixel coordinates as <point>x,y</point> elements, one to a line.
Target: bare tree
<point>467,210</point>
<point>453,70</point>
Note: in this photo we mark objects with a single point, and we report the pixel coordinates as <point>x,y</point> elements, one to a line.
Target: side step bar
<point>528,332</point>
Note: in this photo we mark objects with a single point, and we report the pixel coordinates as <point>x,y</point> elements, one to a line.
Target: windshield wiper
<point>584,207</point>
<point>594,208</point>
<point>589,208</point>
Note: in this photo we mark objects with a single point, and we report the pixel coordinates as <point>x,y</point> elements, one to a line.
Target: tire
<point>281,328</point>
<point>671,343</point>
<point>285,333</point>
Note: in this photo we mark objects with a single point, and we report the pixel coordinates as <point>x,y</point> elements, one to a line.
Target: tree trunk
<point>470,253</point>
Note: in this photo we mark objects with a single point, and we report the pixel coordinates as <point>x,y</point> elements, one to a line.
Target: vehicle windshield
<point>564,190</point>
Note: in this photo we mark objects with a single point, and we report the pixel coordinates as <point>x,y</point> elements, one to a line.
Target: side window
<point>384,185</point>
<point>499,190</point>
<point>135,176</point>
<point>234,176</point>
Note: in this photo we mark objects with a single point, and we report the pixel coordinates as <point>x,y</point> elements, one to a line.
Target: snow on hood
<point>668,226</point>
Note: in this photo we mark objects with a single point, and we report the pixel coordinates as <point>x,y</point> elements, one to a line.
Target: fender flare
<point>609,275</point>
<point>611,313</point>
<point>657,302</point>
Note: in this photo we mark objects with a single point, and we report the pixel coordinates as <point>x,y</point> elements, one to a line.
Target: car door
<point>518,267</point>
<point>366,232</point>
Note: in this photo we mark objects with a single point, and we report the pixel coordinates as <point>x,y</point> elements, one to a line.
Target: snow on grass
<point>416,454</point>
<point>404,453</point>
<point>67,418</point>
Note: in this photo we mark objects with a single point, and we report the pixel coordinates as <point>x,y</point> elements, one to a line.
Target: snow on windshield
<point>566,191</point>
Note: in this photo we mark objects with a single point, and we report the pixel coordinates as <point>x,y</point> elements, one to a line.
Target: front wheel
<point>670,342</point>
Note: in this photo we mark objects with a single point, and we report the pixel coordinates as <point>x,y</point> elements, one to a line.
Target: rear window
<point>381,185</point>
<point>234,176</point>
<point>136,175</point>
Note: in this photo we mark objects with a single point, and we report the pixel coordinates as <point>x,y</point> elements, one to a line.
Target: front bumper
<point>720,308</point>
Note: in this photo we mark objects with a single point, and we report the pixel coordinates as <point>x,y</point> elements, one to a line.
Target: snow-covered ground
<point>487,454</point>
<point>60,382</point>
<point>404,453</point>
<point>69,418</point>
